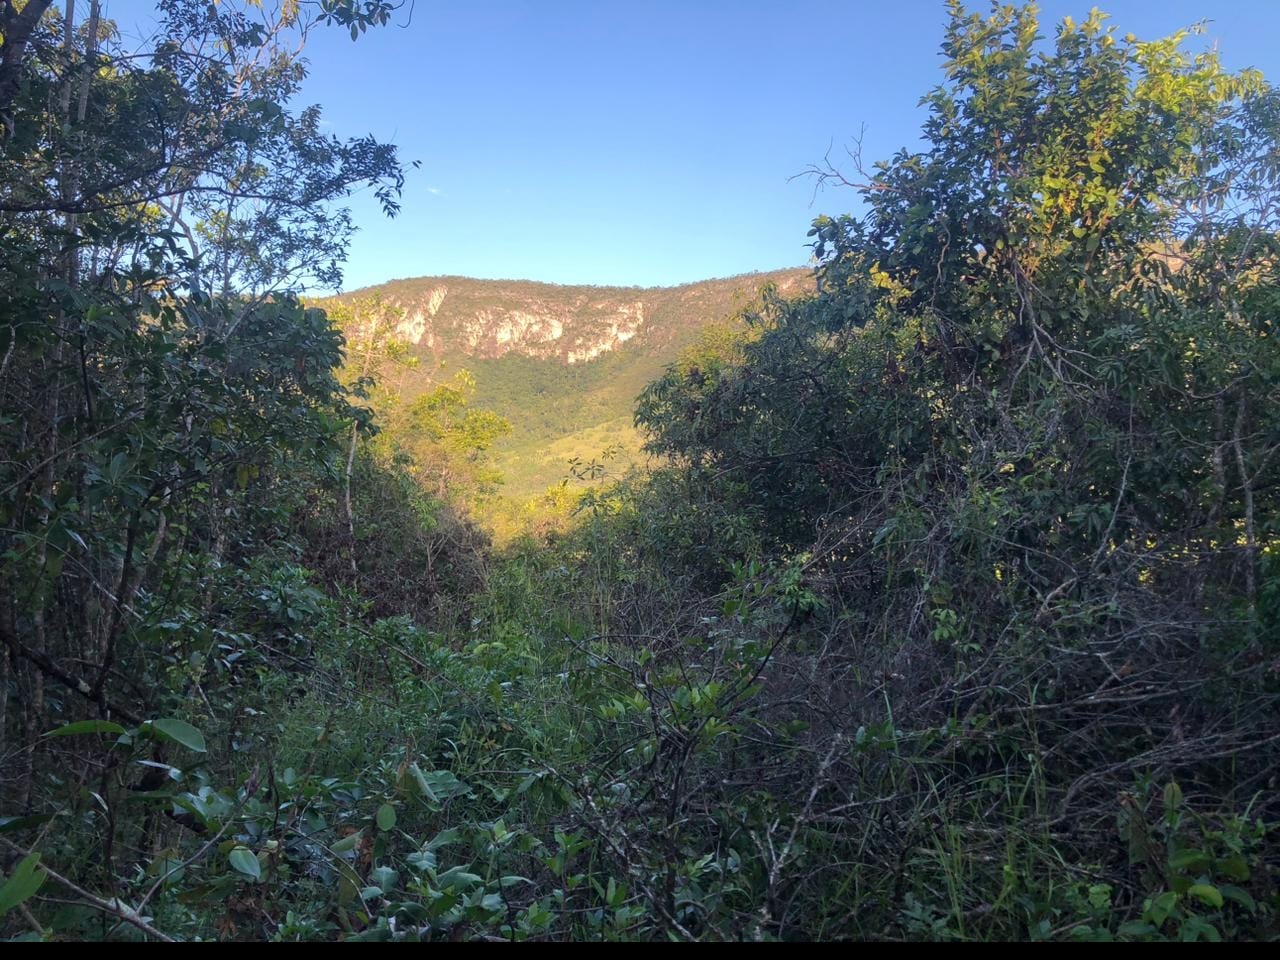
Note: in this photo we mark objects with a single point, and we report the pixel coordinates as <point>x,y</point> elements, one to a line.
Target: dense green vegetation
<point>949,610</point>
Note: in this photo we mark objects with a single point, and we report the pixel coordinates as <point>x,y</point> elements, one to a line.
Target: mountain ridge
<point>656,287</point>
<point>464,316</point>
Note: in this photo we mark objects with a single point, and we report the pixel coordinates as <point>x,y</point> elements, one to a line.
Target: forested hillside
<point>562,365</point>
<point>947,607</point>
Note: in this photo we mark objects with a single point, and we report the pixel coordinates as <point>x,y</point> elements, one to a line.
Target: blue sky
<point>650,143</point>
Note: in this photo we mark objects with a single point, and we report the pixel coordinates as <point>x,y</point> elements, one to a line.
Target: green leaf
<point>26,880</point>
<point>1198,928</point>
<point>243,859</point>
<point>445,836</point>
<point>168,867</point>
<point>347,843</point>
<point>437,785</point>
<point>87,726</point>
<point>14,824</point>
<point>1234,867</point>
<point>1136,928</point>
<point>386,817</point>
<point>421,860</point>
<point>458,877</point>
<point>1161,907</point>
<point>179,731</point>
<point>386,878</point>
<point>1206,893</point>
<point>1241,896</point>
<point>1188,859</point>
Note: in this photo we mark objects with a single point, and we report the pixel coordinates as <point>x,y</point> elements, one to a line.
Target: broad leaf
<point>243,860</point>
<point>179,731</point>
<point>386,817</point>
<point>26,880</point>
<point>347,843</point>
<point>87,726</point>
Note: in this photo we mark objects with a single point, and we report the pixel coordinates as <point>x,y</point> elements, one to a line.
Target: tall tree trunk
<point>365,362</point>
<point>1250,521</point>
<point>346,501</point>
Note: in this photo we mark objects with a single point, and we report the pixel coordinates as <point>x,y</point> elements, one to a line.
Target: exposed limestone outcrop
<point>489,319</point>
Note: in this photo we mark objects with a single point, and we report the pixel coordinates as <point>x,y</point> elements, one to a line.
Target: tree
<point>167,401</point>
<point>448,439</point>
<point>1027,429</point>
<point>369,327</point>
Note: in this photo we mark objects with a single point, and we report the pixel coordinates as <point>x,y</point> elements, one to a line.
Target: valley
<point>562,364</point>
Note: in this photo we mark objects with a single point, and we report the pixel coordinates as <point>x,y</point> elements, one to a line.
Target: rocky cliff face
<point>489,319</point>
<point>573,332</point>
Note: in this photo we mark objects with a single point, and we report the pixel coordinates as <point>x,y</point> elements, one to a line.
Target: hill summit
<point>488,319</point>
